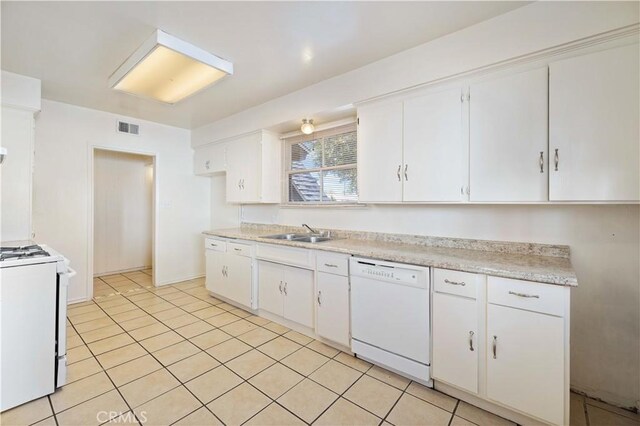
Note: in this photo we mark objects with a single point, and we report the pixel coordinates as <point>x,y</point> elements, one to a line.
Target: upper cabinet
<point>434,150</point>
<point>412,150</point>
<point>594,130</point>
<point>380,152</point>
<point>508,138</point>
<point>254,167</point>
<point>210,159</point>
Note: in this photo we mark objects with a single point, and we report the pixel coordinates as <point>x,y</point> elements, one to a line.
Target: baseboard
<point>121,271</point>
<point>180,280</point>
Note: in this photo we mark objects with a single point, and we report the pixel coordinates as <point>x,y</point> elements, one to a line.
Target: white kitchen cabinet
<point>526,362</point>
<point>380,152</point>
<point>286,291</point>
<point>209,159</point>
<point>435,153</point>
<point>228,274</point>
<point>594,127</point>
<point>214,279</point>
<point>332,301</point>
<point>253,165</point>
<point>508,146</point>
<point>270,282</point>
<point>455,341</point>
<point>18,139</point>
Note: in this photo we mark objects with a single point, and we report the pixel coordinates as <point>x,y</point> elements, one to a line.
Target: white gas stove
<point>33,304</point>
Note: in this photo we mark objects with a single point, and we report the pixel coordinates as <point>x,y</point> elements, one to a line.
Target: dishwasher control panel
<point>386,271</point>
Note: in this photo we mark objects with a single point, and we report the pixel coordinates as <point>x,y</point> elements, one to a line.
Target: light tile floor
<point>175,355</point>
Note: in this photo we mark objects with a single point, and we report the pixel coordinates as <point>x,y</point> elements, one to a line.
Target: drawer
<point>214,244</point>
<point>332,263</point>
<point>286,255</point>
<point>537,297</point>
<point>455,282</point>
<point>239,249</point>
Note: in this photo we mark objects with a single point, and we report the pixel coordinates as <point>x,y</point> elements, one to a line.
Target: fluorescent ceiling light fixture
<point>168,69</point>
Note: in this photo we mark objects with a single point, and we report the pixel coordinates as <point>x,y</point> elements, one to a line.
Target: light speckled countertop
<point>532,262</point>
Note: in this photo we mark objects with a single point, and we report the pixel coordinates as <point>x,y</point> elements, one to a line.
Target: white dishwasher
<point>390,321</point>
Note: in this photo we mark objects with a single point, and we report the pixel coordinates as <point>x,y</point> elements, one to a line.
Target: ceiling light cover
<point>168,69</point>
<point>307,126</point>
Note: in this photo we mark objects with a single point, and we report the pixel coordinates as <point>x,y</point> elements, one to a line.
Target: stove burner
<point>23,252</point>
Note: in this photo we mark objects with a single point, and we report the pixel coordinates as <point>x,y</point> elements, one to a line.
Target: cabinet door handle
<point>515,293</point>
<point>285,288</point>
<point>398,172</point>
<point>541,161</point>
<point>241,183</point>
<point>462,283</point>
<point>471,333</point>
<point>207,164</point>
<point>330,265</point>
<point>239,180</point>
<point>495,347</point>
<point>406,176</point>
<point>556,159</point>
<point>319,298</point>
<point>223,271</point>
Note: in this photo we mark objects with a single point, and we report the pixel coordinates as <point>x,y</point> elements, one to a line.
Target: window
<point>321,168</point>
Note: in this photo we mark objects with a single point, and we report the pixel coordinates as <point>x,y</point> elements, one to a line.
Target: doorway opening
<point>123,221</point>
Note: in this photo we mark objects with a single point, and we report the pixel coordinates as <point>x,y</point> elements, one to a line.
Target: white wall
<point>123,211</point>
<point>532,28</point>
<point>65,137</point>
<point>605,252</point>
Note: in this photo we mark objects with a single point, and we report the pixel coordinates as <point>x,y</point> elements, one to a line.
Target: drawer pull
<point>213,245</point>
<point>462,283</point>
<point>237,249</point>
<point>471,333</point>
<point>535,296</point>
<point>330,265</point>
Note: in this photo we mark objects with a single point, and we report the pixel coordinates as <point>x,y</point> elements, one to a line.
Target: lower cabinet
<point>525,362</point>
<point>229,275</point>
<point>332,313</point>
<point>455,341</point>
<point>506,341</point>
<point>286,291</point>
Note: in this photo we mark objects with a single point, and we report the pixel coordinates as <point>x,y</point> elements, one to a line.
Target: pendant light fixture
<point>168,69</point>
<point>307,126</point>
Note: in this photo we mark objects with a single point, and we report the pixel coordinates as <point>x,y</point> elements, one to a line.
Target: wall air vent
<point>130,128</point>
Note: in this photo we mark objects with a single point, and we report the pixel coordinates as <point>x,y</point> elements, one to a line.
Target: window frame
<point>318,135</point>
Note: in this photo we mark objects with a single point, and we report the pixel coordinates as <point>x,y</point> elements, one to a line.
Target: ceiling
<point>276,47</point>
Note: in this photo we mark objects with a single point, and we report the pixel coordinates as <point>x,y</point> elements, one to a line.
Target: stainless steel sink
<point>312,239</point>
<point>285,236</point>
<point>303,238</point>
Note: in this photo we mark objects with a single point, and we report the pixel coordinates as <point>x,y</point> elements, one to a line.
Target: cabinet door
<point>298,295</point>
<point>434,151</point>
<point>209,159</point>
<point>270,284</point>
<point>455,343</point>
<point>214,280</point>
<point>236,154</point>
<point>332,307</point>
<point>525,361</point>
<point>239,279</point>
<point>380,152</point>
<point>508,138</point>
<point>594,126</point>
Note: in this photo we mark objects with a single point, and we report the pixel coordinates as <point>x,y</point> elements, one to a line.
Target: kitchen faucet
<point>311,230</point>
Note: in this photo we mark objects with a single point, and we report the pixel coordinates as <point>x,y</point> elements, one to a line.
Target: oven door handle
<point>71,272</point>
